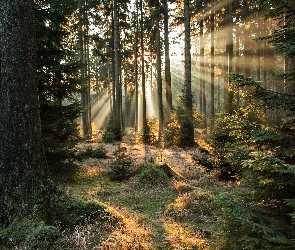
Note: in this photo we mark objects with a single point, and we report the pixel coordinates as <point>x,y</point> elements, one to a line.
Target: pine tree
<point>23,168</point>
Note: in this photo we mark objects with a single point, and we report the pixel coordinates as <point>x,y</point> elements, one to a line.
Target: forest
<point>147,124</point>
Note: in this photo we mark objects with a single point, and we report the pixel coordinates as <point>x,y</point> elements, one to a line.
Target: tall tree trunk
<point>212,65</point>
<point>188,126</point>
<point>23,168</point>
<point>202,76</point>
<point>136,69</point>
<point>229,55</point>
<point>87,73</point>
<point>159,74</point>
<point>167,63</point>
<point>117,66</point>
<point>82,60</point>
<point>144,121</point>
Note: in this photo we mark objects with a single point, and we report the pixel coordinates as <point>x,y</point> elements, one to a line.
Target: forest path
<point>180,215</point>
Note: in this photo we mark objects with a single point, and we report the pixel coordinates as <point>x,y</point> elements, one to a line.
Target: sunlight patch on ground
<point>129,233</point>
<point>183,236</point>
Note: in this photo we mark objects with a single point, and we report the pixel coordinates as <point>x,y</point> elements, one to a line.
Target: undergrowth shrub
<point>149,133</point>
<point>248,227</point>
<point>150,174</point>
<point>66,211</point>
<point>272,175</point>
<point>203,158</point>
<point>121,168</point>
<point>91,152</point>
<point>229,146</point>
<point>113,131</point>
<point>32,235</point>
<point>178,132</point>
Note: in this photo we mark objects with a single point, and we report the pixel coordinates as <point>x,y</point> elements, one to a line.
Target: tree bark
<point>118,103</point>
<point>136,68</point>
<point>188,126</point>
<point>144,121</point>
<point>212,66</point>
<point>167,63</point>
<point>23,168</point>
<point>159,74</point>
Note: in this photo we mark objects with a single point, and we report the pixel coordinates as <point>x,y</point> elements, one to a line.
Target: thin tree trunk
<point>82,60</point>
<point>144,121</point>
<point>159,74</point>
<point>167,63</point>
<point>117,66</point>
<point>202,75</point>
<point>212,66</point>
<point>188,127</point>
<point>136,69</point>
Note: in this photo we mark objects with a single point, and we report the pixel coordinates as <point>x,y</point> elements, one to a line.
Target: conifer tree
<point>23,168</point>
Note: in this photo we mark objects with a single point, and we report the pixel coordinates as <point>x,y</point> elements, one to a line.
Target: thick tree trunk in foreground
<point>22,160</point>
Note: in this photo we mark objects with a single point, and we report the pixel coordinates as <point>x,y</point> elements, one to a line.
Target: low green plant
<point>178,132</point>
<point>31,235</point>
<point>151,174</point>
<point>91,152</point>
<point>66,211</point>
<point>113,131</point>
<point>202,157</point>
<point>121,168</point>
<point>247,227</point>
<point>149,134</point>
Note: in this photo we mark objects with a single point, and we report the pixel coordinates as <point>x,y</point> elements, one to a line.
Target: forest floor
<point>180,215</point>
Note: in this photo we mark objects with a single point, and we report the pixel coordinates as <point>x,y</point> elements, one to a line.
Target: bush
<point>66,211</point>
<point>113,131</point>
<point>179,130</point>
<point>149,134</point>
<point>248,227</point>
<point>31,235</point>
<point>90,152</point>
<point>151,174</point>
<point>202,157</point>
<point>121,168</point>
<point>229,141</point>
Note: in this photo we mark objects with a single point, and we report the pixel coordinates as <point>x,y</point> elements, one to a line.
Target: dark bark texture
<point>22,161</point>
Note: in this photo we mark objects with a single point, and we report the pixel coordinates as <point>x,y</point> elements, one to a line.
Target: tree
<point>142,49</point>
<point>23,168</point>
<point>167,62</point>
<point>187,127</point>
<point>136,65</point>
<point>84,58</point>
<point>212,65</point>
<point>159,70</point>
<point>58,85</point>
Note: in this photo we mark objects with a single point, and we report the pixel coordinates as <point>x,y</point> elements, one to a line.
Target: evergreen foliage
<point>246,227</point>
<point>58,86</point>
<point>91,152</point>
<point>113,131</point>
<point>150,134</point>
<point>255,147</point>
<point>150,174</point>
<point>178,130</point>
<point>121,168</point>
